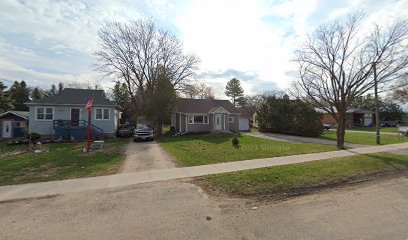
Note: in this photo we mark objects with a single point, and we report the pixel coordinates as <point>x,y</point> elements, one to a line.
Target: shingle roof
<point>247,112</point>
<point>187,105</point>
<point>75,97</point>
<point>21,114</point>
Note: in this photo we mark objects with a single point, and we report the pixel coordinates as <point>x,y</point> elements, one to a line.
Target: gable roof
<point>247,112</point>
<point>20,114</point>
<point>74,96</point>
<point>187,105</point>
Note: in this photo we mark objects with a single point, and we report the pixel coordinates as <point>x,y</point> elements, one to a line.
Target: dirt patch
<point>287,194</point>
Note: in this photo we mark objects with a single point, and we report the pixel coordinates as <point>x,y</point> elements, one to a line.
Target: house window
<point>230,119</point>
<point>45,113</point>
<point>199,119</point>
<point>102,114</point>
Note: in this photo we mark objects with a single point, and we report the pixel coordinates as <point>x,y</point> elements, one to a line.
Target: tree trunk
<point>341,130</point>
<point>159,129</point>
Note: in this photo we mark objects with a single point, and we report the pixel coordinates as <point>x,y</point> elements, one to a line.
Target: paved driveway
<point>142,156</point>
<point>179,210</point>
<point>290,138</point>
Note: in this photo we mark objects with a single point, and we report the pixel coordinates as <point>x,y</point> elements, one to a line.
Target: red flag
<point>89,104</point>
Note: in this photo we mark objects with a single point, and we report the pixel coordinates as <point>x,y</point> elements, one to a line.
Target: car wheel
<point>135,140</point>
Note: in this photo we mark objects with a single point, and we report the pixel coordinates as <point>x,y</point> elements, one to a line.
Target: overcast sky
<point>44,42</point>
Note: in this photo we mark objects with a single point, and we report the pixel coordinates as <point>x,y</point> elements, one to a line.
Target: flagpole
<point>89,130</point>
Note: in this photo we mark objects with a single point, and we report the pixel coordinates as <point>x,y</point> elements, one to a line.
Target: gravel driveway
<point>141,156</point>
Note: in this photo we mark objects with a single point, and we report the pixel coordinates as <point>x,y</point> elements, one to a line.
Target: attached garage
<point>245,117</point>
<point>243,124</point>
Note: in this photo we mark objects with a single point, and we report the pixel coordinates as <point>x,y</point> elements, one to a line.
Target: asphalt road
<point>179,210</point>
<point>146,155</point>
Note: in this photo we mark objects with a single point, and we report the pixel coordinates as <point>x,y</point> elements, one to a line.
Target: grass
<point>59,161</point>
<point>372,129</point>
<point>289,178</point>
<point>4,149</point>
<point>365,138</point>
<point>210,149</point>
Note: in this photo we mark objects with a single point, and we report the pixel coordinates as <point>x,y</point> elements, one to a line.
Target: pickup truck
<point>143,132</point>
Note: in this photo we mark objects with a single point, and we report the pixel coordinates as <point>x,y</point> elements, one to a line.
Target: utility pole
<point>377,105</point>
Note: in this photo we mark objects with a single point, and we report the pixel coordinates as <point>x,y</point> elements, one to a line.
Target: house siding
<point>234,127</point>
<point>45,127</point>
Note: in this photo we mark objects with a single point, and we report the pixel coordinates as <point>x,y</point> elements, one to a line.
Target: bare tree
<point>133,52</point>
<point>400,89</point>
<point>194,89</point>
<point>336,64</point>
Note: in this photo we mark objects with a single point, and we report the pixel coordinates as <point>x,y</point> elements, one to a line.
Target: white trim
<point>200,115</point>
<point>103,119</point>
<point>223,110</point>
<point>18,115</point>
<point>186,123</point>
<point>45,111</point>
<point>225,122</point>
<point>179,122</point>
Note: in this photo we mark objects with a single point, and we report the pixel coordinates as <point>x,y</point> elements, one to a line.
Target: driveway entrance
<point>141,156</point>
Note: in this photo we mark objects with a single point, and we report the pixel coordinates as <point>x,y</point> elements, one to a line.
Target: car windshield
<point>143,127</point>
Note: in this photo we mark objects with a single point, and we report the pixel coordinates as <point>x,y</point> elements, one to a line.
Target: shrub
<point>235,141</point>
<point>34,136</point>
<point>293,117</point>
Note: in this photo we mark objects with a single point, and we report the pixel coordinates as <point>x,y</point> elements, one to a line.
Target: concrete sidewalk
<point>30,190</point>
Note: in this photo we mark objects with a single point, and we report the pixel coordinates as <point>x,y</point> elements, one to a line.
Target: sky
<point>45,42</point>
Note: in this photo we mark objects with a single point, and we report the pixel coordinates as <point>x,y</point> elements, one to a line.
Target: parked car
<point>389,123</point>
<point>326,127</point>
<point>143,132</point>
<point>125,130</point>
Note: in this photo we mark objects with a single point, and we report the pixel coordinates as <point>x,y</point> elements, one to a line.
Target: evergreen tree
<point>20,94</point>
<point>54,90</point>
<point>121,97</point>
<point>234,90</point>
<point>6,103</point>
<point>37,93</point>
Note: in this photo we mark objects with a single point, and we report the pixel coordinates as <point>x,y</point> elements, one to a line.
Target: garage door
<point>243,124</point>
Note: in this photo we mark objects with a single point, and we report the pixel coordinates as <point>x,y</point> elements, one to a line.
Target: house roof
<point>350,110</point>
<point>74,96</point>
<point>187,105</point>
<point>21,114</point>
<point>247,112</point>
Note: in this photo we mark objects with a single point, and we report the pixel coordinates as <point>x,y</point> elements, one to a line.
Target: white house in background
<point>64,115</point>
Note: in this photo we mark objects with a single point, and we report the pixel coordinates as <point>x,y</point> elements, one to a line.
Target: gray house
<point>205,115</point>
<point>64,115</point>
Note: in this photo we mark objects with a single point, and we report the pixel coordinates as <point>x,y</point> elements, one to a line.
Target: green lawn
<point>4,149</point>
<point>372,129</point>
<point>289,178</point>
<point>60,161</point>
<point>365,138</point>
<point>209,149</point>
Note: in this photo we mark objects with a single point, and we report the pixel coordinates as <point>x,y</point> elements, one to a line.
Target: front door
<point>218,123</point>
<point>75,116</point>
<point>6,129</point>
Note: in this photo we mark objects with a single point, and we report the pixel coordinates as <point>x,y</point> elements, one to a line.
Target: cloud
<point>45,41</point>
